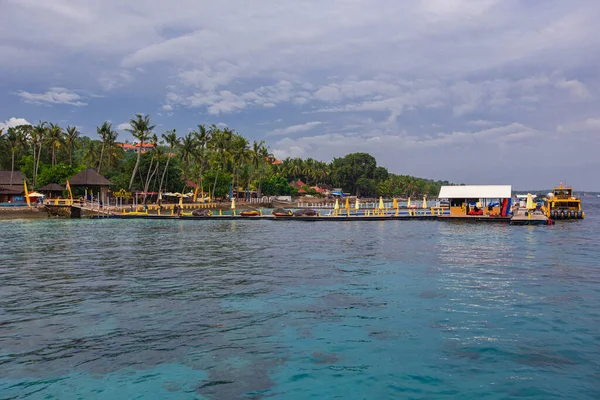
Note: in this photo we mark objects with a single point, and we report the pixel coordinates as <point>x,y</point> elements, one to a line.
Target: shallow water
<point>277,309</point>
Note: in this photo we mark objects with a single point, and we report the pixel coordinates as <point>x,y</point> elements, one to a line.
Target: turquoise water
<point>123,309</point>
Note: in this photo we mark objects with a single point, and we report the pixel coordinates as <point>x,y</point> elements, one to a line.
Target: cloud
<point>576,88</point>
<point>294,129</point>
<point>54,95</point>
<point>124,126</point>
<point>588,125</point>
<point>12,122</point>
<point>402,75</point>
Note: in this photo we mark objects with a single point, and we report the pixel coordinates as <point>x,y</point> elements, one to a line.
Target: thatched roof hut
<point>89,178</point>
<point>52,187</point>
<point>11,191</point>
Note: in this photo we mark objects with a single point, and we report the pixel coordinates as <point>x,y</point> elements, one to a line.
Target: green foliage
<point>215,157</point>
<point>223,180</point>
<point>354,173</point>
<point>276,186</point>
<point>57,174</point>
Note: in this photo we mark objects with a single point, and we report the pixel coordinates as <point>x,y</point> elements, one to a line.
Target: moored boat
<point>563,205</point>
<point>250,213</point>
<point>282,212</point>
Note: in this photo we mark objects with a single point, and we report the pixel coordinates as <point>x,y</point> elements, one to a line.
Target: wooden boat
<point>250,213</point>
<point>282,212</point>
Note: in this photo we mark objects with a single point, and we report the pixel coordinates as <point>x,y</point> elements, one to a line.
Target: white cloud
<point>576,88</point>
<point>294,129</point>
<point>124,126</point>
<point>588,125</point>
<point>12,122</point>
<point>56,95</point>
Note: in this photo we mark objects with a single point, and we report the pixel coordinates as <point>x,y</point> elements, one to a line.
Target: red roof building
<point>135,147</point>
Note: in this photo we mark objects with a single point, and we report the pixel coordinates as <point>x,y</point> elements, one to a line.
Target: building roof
<point>89,177</point>
<point>51,187</point>
<point>476,192</point>
<point>17,178</point>
<point>12,189</point>
<point>136,145</point>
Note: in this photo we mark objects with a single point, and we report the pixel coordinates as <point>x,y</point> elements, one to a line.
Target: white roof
<point>476,192</point>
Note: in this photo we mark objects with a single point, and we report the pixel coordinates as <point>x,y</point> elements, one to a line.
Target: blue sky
<point>472,91</point>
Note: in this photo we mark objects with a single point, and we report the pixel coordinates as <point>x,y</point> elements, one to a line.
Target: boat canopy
<point>476,192</point>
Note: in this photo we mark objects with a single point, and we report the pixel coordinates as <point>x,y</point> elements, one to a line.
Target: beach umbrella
<point>337,205</point>
<point>529,205</point>
<point>381,203</point>
<point>357,204</point>
<point>408,203</point>
<point>347,204</point>
<point>395,204</point>
<point>424,201</point>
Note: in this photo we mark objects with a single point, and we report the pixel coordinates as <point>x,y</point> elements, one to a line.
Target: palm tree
<point>13,136</point>
<point>239,155</point>
<point>172,140</point>
<point>55,137</point>
<point>103,130</point>
<point>38,134</point>
<point>140,129</point>
<point>150,173</point>
<point>91,155</point>
<point>220,143</point>
<point>111,148</point>
<point>260,155</point>
<point>188,146</point>
<point>71,137</point>
<point>203,137</point>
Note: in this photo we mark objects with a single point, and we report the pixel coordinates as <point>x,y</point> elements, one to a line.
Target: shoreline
<point>22,212</point>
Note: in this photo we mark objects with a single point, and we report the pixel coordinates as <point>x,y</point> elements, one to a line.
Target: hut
<point>92,181</point>
<point>12,191</point>
<point>52,190</point>
<point>477,200</point>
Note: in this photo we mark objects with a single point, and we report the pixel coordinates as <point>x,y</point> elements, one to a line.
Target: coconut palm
<point>90,156</point>
<point>105,132</point>
<point>37,134</point>
<point>172,140</point>
<point>112,150</point>
<point>71,138</point>
<point>13,136</point>
<point>188,146</point>
<point>141,130</point>
<point>55,137</point>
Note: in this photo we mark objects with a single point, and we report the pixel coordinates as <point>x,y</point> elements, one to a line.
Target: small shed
<point>490,200</point>
<point>52,190</point>
<point>92,181</point>
<point>12,190</point>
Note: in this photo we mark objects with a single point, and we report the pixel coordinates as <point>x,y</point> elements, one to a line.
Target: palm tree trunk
<point>164,172</point>
<point>37,165</point>
<point>137,163</point>
<point>53,155</point>
<point>146,184</point>
<point>33,172</point>
<point>101,157</point>
<point>12,167</point>
<point>71,155</point>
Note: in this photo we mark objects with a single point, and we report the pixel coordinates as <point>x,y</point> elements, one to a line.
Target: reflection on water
<point>224,309</point>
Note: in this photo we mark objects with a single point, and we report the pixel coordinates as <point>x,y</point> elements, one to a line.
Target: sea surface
<point>126,309</point>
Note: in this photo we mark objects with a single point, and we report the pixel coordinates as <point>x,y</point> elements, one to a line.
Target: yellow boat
<point>563,205</point>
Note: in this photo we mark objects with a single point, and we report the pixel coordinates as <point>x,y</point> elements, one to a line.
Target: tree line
<point>213,158</point>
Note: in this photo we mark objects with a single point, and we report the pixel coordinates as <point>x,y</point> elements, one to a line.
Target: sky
<point>470,91</point>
